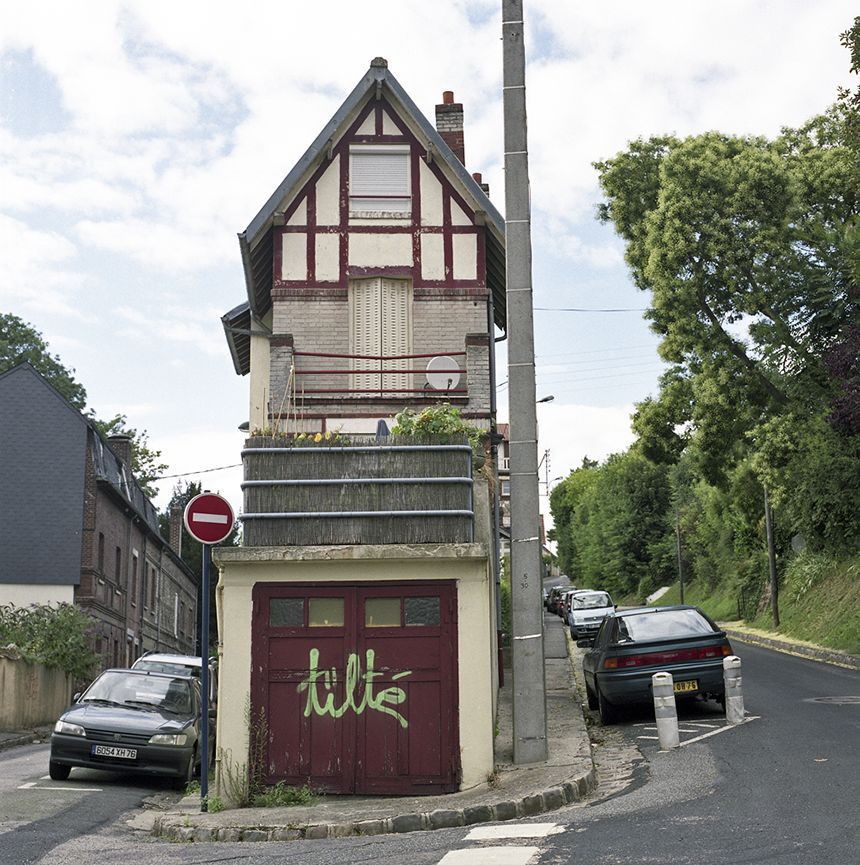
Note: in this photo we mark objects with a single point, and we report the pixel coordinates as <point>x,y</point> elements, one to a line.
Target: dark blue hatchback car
<point>632,645</point>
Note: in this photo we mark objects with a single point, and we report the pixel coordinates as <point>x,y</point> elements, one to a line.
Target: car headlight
<point>169,739</point>
<point>69,729</point>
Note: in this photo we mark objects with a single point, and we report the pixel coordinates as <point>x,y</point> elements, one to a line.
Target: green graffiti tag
<point>384,701</point>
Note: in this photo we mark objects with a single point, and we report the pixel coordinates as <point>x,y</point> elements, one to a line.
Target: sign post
<point>209,519</point>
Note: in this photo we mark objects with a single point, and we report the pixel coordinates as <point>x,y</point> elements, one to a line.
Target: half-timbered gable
<point>375,274</point>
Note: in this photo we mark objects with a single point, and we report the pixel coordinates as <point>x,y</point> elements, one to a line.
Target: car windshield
<point>158,691</point>
<point>661,625</point>
<point>591,602</point>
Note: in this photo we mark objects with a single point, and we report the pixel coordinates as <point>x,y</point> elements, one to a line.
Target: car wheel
<point>607,711</point>
<point>187,775</point>
<point>57,771</point>
<point>591,697</point>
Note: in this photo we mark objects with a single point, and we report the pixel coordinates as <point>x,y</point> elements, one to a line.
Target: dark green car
<point>132,721</point>
<point>631,646</point>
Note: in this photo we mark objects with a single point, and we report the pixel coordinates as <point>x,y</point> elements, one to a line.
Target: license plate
<point>110,751</point>
<point>687,686</point>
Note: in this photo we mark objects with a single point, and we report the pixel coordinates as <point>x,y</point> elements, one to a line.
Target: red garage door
<point>356,686</point>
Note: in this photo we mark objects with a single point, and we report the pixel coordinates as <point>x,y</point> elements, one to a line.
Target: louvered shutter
<point>380,325</point>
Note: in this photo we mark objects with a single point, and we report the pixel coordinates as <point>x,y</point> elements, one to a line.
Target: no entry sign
<point>209,518</point>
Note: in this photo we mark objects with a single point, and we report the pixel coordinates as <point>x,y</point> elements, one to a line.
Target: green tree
<point>563,502</point>
<point>21,342</point>
<point>145,463</point>
<point>740,242</point>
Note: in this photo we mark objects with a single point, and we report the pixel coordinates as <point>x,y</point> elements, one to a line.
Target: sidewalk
<point>517,791</point>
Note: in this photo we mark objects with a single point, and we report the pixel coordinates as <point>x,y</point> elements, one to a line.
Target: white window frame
<point>380,180</point>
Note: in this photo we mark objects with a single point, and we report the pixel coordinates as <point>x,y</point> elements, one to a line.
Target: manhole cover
<point>839,701</point>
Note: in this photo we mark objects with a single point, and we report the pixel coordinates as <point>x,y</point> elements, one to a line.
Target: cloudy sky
<point>138,138</point>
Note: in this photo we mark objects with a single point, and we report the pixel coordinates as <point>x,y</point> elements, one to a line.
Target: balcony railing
<point>363,375</point>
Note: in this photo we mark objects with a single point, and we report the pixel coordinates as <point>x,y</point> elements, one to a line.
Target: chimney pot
<point>448,97</point>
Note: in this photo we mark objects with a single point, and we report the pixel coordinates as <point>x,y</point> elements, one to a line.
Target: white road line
<point>704,735</point>
<point>32,786</point>
<point>512,830</point>
<point>490,856</point>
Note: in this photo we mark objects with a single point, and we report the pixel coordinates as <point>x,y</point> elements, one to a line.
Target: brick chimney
<point>480,181</point>
<point>121,445</point>
<point>449,124</point>
<point>176,528</point>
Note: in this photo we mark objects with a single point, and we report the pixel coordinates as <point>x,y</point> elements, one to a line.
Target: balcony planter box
<point>395,490</point>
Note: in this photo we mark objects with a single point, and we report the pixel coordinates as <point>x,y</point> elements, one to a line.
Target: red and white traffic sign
<point>209,518</point>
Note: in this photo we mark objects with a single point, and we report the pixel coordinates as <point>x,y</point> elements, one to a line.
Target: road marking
<point>512,830</point>
<point>713,732</point>
<point>490,856</point>
<point>31,785</point>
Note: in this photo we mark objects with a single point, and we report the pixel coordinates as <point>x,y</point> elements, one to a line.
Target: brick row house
<point>375,282</point>
<point>77,528</point>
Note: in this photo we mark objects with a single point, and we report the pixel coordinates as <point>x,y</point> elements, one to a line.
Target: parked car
<point>552,600</point>
<point>132,721</point>
<point>632,645</point>
<point>587,610</point>
<point>178,665</point>
<point>564,603</point>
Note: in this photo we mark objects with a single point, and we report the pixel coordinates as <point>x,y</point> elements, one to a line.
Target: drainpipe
<point>494,456</point>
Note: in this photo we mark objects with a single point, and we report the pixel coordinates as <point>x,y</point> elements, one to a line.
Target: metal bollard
<point>664,710</point>
<point>734,695</point>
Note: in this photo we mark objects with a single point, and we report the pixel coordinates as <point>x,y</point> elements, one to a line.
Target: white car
<point>587,610</point>
<point>178,665</point>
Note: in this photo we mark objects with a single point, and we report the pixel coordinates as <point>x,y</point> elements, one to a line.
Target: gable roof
<point>256,241</point>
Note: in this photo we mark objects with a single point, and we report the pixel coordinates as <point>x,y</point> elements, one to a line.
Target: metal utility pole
<point>529,678</point>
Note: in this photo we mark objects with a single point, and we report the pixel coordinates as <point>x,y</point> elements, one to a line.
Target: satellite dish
<point>443,373</point>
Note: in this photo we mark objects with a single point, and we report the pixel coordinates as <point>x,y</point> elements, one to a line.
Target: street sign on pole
<point>209,518</point>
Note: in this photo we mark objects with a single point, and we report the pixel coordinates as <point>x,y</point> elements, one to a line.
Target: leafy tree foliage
<point>20,342</point>
<point>144,461</point>
<point>741,243</point>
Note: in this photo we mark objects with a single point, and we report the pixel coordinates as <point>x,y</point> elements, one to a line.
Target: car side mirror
<point>585,643</point>
<point>77,697</point>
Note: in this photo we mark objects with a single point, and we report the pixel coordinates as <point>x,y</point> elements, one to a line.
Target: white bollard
<point>734,694</point>
<point>664,710</point>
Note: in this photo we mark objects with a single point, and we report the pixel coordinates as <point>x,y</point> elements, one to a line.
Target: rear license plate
<point>109,751</point>
<point>687,686</point>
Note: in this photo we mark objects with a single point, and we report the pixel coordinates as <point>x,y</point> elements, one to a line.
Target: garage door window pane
<point>325,612</point>
<point>421,611</point>
<point>382,612</point>
<point>286,612</point>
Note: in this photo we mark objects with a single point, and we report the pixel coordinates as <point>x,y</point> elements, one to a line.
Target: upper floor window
<point>379,179</point>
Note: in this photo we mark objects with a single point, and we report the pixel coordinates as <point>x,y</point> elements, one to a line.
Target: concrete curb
<point>828,656</point>
<point>167,828</point>
<point>572,757</point>
<point>24,737</point>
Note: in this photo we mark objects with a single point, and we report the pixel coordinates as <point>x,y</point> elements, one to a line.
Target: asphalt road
<point>780,789</point>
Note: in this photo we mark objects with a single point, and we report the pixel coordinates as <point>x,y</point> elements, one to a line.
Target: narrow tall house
<point>375,274</point>
<point>359,618</point>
